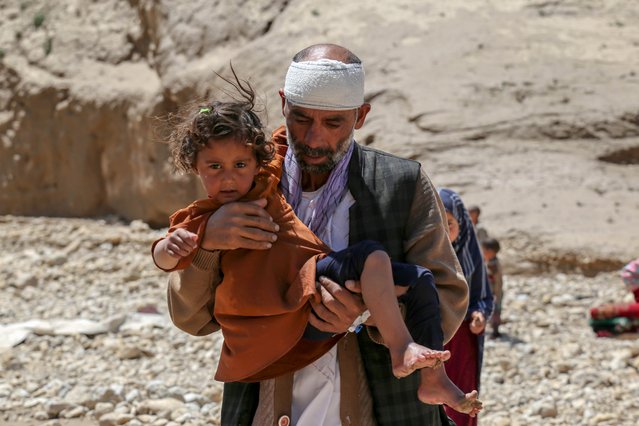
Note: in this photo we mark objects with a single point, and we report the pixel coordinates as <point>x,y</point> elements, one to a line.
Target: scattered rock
<point>155,406</point>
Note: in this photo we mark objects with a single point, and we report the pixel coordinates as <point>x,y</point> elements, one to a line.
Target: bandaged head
<point>325,84</point>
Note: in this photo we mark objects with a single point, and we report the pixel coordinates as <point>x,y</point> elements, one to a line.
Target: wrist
<point>356,326</point>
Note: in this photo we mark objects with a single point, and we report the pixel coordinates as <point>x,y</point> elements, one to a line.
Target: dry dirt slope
<point>528,108</point>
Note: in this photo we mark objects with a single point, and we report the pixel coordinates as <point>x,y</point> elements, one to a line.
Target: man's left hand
<point>338,309</point>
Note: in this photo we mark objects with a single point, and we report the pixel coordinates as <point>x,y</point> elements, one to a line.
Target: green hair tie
<point>205,110</point>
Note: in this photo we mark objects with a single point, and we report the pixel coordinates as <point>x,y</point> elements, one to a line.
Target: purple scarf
<point>332,193</point>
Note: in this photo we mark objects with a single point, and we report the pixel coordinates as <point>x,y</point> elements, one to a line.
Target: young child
<point>474,212</point>
<point>490,248</point>
<point>262,303</point>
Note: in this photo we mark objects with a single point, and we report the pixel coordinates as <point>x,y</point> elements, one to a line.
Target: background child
<point>490,248</point>
<point>264,321</point>
<point>467,345</point>
<point>474,212</point>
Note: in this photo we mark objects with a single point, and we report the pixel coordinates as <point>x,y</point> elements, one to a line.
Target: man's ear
<point>361,114</point>
<point>283,100</point>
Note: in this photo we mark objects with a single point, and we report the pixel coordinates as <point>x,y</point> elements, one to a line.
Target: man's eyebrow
<point>298,113</point>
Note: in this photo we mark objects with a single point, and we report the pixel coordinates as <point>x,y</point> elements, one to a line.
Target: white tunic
<point>316,387</point>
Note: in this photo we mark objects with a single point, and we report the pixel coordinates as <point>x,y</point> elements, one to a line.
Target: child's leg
<point>423,316</point>
<point>368,262</point>
<point>437,388</point>
<point>495,321</point>
<point>424,322</point>
<point>378,293</point>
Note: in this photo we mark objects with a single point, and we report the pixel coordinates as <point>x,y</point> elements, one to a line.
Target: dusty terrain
<point>527,108</point>
<point>549,368</point>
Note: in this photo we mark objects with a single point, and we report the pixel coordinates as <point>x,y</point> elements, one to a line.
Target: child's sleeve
<point>191,294</point>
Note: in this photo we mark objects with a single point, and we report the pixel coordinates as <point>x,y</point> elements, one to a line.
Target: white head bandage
<point>325,84</point>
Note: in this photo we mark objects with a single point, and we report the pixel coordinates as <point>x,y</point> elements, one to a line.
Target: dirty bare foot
<point>415,357</point>
<point>469,404</point>
<point>436,388</point>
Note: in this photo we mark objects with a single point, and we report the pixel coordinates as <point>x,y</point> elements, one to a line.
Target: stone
<point>41,415</point>
<point>155,406</point>
<point>102,408</point>
<point>26,279</point>
<point>115,419</point>
<point>132,352</point>
<point>73,412</point>
<point>54,408</point>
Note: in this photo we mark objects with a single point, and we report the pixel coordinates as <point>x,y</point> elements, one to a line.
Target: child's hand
<point>477,323</point>
<point>180,243</point>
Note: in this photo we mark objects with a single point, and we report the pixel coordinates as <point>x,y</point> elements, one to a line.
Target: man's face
<point>320,138</point>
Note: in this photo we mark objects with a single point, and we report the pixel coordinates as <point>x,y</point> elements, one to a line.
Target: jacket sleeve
<point>191,294</point>
<point>427,244</point>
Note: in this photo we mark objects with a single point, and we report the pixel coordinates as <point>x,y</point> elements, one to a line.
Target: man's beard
<point>332,157</point>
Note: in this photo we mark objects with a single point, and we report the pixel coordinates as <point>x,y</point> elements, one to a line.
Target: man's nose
<point>315,136</point>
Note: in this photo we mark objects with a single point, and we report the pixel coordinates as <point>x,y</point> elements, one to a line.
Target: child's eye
<point>240,165</point>
<point>215,166</point>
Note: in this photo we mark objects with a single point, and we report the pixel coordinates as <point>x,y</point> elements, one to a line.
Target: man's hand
<point>338,309</point>
<point>240,225</point>
<point>477,323</point>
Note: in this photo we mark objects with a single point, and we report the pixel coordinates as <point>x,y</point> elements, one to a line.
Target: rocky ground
<point>130,365</point>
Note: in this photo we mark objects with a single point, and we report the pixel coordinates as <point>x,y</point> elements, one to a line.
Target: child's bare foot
<point>415,357</point>
<point>436,388</point>
<point>469,404</point>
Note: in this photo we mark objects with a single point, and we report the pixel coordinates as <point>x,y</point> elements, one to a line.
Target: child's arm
<point>168,251</point>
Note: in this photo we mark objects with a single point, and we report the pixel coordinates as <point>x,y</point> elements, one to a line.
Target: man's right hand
<point>240,225</point>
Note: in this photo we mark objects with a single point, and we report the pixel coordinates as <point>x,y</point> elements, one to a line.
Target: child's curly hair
<point>202,124</point>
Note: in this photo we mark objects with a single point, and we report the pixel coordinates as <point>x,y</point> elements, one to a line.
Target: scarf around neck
<point>331,193</point>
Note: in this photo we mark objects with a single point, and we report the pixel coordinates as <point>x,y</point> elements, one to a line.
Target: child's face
<point>453,226</point>
<point>226,168</point>
<point>474,216</point>
<point>488,254</point>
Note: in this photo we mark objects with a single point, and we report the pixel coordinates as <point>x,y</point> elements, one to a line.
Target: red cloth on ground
<point>613,310</point>
<point>462,368</point>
